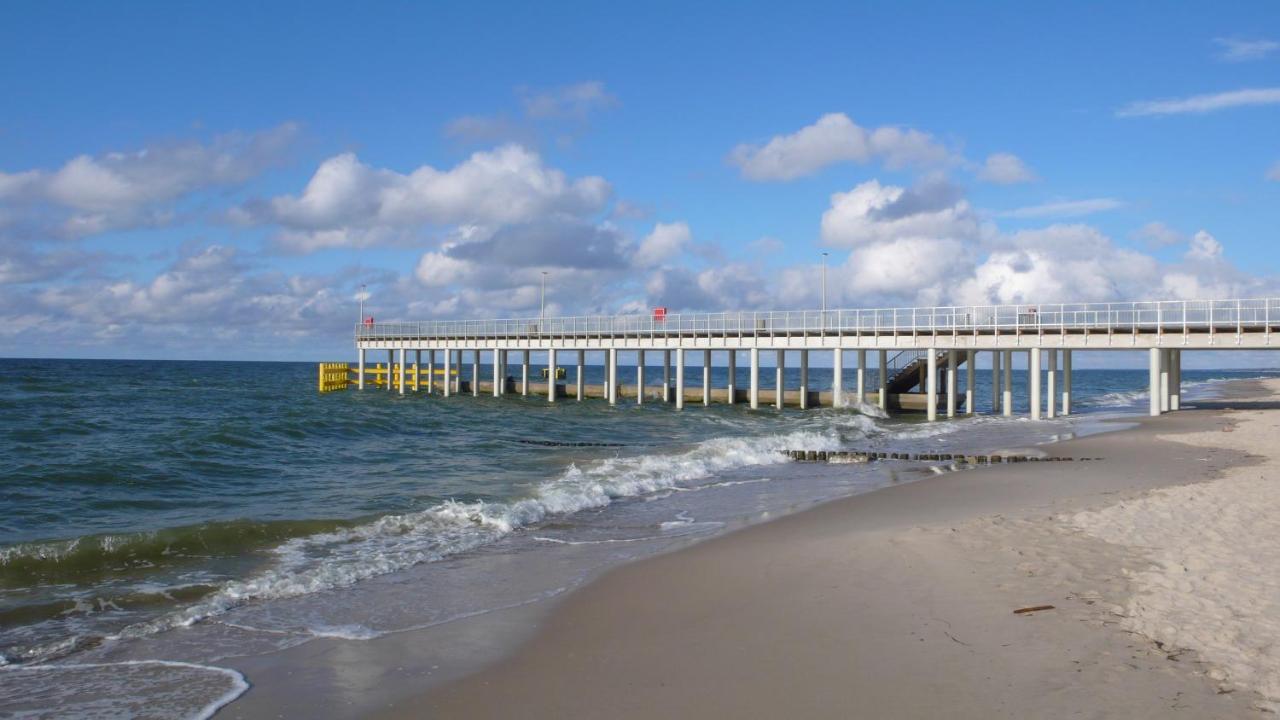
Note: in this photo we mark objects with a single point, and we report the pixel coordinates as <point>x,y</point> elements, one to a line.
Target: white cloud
<point>833,139</point>
<point>666,242</point>
<point>1239,50</point>
<point>1202,103</point>
<point>1204,247</point>
<point>569,101</point>
<point>120,190</point>
<point>1158,235</point>
<point>872,212</point>
<point>1064,208</point>
<point>345,200</point>
<point>1005,169</point>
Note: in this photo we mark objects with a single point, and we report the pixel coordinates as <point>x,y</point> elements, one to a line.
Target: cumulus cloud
<point>1241,50</point>
<point>1158,235</point>
<point>119,190</point>
<point>349,203</point>
<point>663,244</point>
<point>1200,104</point>
<point>1005,169</point>
<point>834,139</point>
<point>1064,208</point>
<point>872,212</point>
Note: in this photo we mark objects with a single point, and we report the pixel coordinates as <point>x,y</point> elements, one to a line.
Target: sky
<point>220,180</point>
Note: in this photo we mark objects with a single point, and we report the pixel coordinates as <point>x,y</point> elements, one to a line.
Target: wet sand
<point>897,603</point>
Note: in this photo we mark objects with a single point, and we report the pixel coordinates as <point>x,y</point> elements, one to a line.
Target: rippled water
<point>224,499</point>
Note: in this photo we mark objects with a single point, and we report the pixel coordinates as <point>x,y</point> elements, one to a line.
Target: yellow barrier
<point>333,376</point>
<point>560,375</point>
<point>340,376</point>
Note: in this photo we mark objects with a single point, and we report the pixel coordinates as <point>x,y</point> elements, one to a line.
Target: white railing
<point>1161,316</point>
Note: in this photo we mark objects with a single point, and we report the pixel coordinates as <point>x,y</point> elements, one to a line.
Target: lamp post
<point>361,296</point>
<point>823,315</point>
<point>542,311</point>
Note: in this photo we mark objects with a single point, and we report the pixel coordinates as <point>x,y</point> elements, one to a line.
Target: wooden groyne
<point>858,456</point>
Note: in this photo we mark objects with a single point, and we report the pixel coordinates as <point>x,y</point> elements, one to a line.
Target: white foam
<point>112,691</point>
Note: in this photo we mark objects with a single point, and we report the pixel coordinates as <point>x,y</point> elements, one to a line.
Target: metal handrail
<point>1149,316</point>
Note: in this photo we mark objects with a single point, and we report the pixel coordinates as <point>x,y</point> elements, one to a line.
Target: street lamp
<point>542,312</point>
<point>361,297</point>
<point>824,284</point>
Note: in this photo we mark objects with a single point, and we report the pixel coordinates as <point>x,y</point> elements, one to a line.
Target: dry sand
<point>899,603</point>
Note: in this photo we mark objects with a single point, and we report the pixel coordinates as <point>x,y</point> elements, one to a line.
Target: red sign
<point>659,314</point>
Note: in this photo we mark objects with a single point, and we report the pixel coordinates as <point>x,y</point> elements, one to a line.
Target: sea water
<point>159,517</point>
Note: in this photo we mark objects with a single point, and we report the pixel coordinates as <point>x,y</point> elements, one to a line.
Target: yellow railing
<point>333,376</point>
<point>340,376</point>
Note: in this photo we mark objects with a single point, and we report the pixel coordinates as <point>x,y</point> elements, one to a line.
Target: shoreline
<point>895,602</point>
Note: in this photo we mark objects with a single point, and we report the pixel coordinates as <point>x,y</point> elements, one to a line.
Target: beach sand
<point>900,603</point>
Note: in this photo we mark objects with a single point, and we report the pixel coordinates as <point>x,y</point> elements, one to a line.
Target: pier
<point>902,358</point>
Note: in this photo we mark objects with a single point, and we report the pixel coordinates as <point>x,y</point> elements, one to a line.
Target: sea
<point>161,518</point>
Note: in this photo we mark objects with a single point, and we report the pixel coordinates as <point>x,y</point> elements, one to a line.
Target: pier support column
<point>1066,382</point>
<point>497,372</point>
<point>860,379</point>
<point>417,370</point>
<point>951,383</point>
<point>1175,380</point>
<point>837,378</point>
<point>970,360</point>
<point>580,379</point>
<point>551,374</point>
<point>1164,380</point>
<point>360,376</point>
<point>612,373</point>
<point>1006,395</point>
<point>804,379</point>
<point>1051,390</point>
<point>679,378</point>
<point>995,381</point>
<point>431,371</point>
<point>1033,378</point>
<point>391,368</point>
<point>400,370</point>
<point>666,376</point>
<point>706,377</point>
<point>754,395</point>
<point>457,378</point>
<point>448,379</point>
<point>475,373</point>
<point>884,380</point>
<point>931,384</point>
<point>524,373</point>
<point>1154,357</point>
<point>733,376</point>
<point>639,377</point>
<point>780,379</point>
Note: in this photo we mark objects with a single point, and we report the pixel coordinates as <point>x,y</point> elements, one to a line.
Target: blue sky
<point>217,180</point>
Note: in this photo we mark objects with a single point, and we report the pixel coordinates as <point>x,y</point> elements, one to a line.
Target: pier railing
<point>1241,315</point>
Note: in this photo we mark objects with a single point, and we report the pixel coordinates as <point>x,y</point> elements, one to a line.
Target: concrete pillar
<point>551,374</point>
<point>581,379</point>
<point>1066,382</point>
<point>1006,395</point>
<point>448,365</point>
<point>970,360</point>
<point>457,378</point>
<point>995,381</point>
<point>475,373</point>
<point>524,373</point>
<point>951,383</point>
<point>1175,380</point>
<point>733,376</point>
<point>931,384</point>
<point>613,376</point>
<point>401,370</point>
<point>884,380</point>
<point>1154,358</point>
<point>755,379</point>
<point>706,377</point>
<point>431,371</point>
<point>1033,378</point>
<point>639,377</point>
<point>1051,390</point>
<point>679,378</point>
<point>837,378</point>
<point>780,380</point>
<point>360,377</point>
<point>417,370</point>
<point>1164,380</point>
<point>497,372</point>
<point>391,368</point>
<point>861,380</point>
<point>804,379</point>
<point>666,376</point>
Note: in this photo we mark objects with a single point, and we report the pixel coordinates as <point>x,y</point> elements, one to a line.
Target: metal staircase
<point>905,370</point>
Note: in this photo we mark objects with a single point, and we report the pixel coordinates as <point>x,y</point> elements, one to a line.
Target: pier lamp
<point>824,289</point>
<point>542,310</point>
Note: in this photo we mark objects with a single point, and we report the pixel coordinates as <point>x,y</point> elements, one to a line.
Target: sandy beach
<point>901,602</point>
